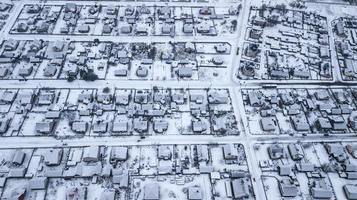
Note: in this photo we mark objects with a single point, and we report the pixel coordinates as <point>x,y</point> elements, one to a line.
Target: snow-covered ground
<point>181,99</point>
